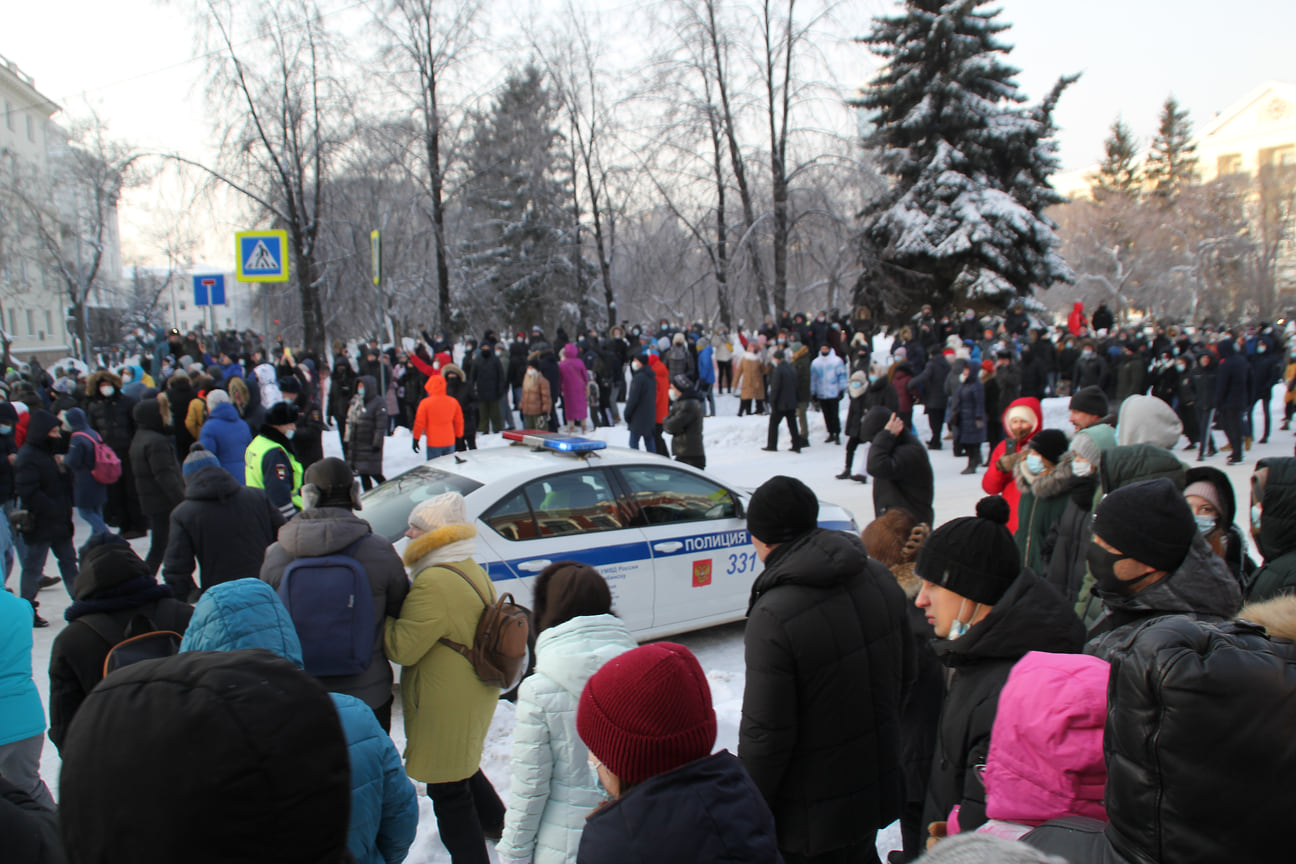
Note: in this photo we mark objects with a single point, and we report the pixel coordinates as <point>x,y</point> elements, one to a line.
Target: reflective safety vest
<point>252,458</point>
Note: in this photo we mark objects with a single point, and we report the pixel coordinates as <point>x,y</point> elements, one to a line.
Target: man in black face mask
<point>1148,560</point>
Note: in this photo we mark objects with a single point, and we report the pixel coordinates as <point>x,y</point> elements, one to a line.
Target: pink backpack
<point>107,467</point>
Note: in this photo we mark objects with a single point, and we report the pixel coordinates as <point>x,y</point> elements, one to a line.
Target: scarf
<point>127,595</point>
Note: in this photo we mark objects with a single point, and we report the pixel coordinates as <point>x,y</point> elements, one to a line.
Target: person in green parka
<point>447,708</point>
<point>1037,512</point>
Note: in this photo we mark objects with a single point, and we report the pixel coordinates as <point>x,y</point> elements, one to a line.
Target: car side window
<point>511,518</point>
<point>669,495</point>
<point>574,503</point>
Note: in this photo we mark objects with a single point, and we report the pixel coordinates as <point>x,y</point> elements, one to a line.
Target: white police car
<point>671,541</point>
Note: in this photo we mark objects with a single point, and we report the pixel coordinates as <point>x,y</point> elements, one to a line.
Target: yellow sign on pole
<point>375,254</point>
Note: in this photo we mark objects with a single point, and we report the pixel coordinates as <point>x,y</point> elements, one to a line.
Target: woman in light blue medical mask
<point>1040,505</point>
<point>1210,495</point>
<point>987,613</point>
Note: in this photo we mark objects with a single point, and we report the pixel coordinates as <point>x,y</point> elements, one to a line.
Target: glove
<point>416,445</point>
<point>935,833</point>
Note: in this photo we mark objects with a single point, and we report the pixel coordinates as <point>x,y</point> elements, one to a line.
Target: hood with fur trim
<point>100,377</point>
<point>1276,615</point>
<point>434,547</point>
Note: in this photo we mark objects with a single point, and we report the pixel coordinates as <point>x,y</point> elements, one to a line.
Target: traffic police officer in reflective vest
<point>270,462</point>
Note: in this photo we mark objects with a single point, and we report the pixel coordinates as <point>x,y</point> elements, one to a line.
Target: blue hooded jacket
<point>247,613</point>
<point>80,460</point>
<point>227,436</point>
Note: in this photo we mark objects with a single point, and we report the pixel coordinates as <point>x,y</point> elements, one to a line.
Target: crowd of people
<point>1008,686</point>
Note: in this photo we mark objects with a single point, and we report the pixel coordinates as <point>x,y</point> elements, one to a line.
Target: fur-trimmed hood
<point>1277,616</point>
<point>99,377</point>
<point>893,540</point>
<point>431,549</point>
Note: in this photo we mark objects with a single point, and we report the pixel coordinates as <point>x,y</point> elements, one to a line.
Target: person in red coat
<point>1077,323</point>
<point>1022,419</point>
<point>662,375</point>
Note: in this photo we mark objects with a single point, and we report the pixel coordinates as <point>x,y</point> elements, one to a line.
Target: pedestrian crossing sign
<point>262,256</point>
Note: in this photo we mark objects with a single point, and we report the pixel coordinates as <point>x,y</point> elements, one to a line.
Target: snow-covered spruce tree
<point>516,263</point>
<point>969,160</point>
<point>1172,163</point>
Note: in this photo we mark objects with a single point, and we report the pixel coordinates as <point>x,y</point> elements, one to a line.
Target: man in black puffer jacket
<point>114,587</point>
<point>898,462</point>
<point>684,423</point>
<point>1198,743</point>
<point>223,524</point>
<point>829,660</point>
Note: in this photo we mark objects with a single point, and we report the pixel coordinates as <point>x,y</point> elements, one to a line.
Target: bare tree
<point>428,38</point>
<point>281,112</point>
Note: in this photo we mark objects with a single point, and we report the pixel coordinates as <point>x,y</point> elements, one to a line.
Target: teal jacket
<point>247,613</point>
<point>21,714</point>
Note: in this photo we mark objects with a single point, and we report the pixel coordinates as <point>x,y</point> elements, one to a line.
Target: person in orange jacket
<point>662,375</point>
<point>440,417</point>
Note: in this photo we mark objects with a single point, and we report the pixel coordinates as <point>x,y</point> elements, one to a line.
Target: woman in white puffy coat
<point>553,787</point>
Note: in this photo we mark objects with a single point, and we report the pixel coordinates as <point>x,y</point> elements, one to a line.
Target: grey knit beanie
<point>974,848</point>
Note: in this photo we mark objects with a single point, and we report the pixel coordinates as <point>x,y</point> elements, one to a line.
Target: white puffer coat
<point>553,787</point>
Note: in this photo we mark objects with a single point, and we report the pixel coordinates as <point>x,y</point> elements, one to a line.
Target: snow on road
<point>733,450</point>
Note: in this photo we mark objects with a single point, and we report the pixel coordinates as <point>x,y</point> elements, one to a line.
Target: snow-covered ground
<point>733,449</point>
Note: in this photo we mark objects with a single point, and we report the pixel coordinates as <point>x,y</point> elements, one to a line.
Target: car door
<point>572,516</point>
<point>704,559</point>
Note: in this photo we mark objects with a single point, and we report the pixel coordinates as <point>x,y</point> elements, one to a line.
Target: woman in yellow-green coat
<point>447,707</point>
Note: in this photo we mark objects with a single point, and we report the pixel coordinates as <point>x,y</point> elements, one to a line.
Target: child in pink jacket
<point>1046,749</point>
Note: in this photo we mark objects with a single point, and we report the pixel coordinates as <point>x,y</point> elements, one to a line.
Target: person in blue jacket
<point>22,719</point>
<point>247,613</point>
<point>88,494</point>
<point>225,434</point>
<point>706,373</point>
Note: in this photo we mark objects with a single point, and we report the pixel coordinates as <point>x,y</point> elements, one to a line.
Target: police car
<point>670,540</point>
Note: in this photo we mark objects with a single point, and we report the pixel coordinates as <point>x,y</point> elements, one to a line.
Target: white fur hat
<point>445,509</point>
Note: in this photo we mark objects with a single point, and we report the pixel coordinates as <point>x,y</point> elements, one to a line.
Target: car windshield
<point>387,507</point>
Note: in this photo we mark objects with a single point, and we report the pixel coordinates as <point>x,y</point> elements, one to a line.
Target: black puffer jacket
<point>31,832</point>
<point>1031,616</point>
<point>684,425</point>
<point>42,485</point>
<point>153,460</point>
<point>223,524</point>
<point>1202,587</point>
<point>110,416</point>
<point>112,588</point>
<point>931,383</point>
<point>1277,541</point>
<point>903,473</point>
<point>829,663</point>
<point>1199,747</point>
<point>707,810</point>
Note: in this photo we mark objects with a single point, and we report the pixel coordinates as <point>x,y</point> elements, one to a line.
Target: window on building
<point>31,129</point>
<point>13,321</point>
<point>229,322</point>
<point>49,322</point>
<point>1229,163</point>
<point>31,323</point>
<point>9,115</point>
<point>1282,156</point>
<point>182,305</point>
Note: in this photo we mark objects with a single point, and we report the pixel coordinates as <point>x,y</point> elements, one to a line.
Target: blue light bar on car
<point>552,441</point>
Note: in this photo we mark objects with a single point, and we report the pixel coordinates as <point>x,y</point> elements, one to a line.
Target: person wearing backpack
<point>328,526</point>
<point>447,707</point>
<point>88,493</point>
<point>246,614</point>
<point>115,593</point>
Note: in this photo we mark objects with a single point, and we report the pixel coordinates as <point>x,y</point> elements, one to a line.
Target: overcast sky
<point>132,59</point>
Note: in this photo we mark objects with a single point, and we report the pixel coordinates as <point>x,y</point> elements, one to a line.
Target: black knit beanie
<point>1090,400</point>
<point>973,556</point>
<point>1148,521</point>
<point>873,423</point>
<point>1050,443</point>
<point>782,509</point>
